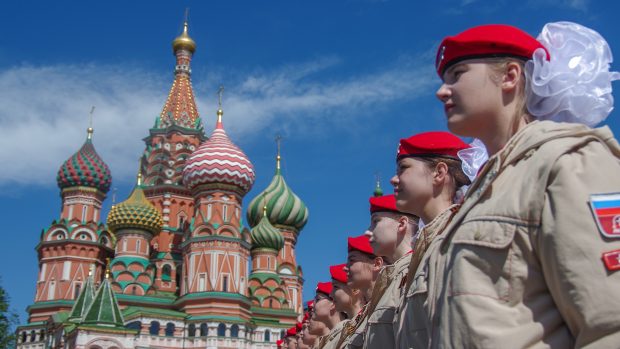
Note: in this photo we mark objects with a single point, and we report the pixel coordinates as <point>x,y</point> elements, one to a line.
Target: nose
<point>443,93</point>
<point>394,181</point>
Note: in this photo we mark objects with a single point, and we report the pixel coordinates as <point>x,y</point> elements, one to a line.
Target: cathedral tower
<point>216,249</point>
<point>177,132</point>
<point>289,214</point>
<point>77,240</point>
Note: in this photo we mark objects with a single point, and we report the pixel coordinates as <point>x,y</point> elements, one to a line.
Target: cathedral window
<point>165,273</point>
<point>42,335</point>
<point>33,336</point>
<point>24,337</point>
<point>134,325</point>
<point>209,211</point>
<point>42,274</point>
<point>201,282</point>
<point>221,330</point>
<point>225,283</point>
<point>169,329</point>
<point>204,330</point>
<point>124,245</point>
<point>84,211</point>
<point>267,337</point>
<point>66,270</point>
<point>76,289</point>
<point>225,213</point>
<point>137,246</point>
<point>234,331</point>
<point>191,330</point>
<point>154,328</point>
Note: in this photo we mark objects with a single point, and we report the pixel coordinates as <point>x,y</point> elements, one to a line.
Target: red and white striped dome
<point>218,160</point>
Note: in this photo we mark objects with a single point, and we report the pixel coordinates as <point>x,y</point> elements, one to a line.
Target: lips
<point>448,107</point>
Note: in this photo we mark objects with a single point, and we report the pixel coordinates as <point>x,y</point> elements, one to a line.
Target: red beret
<point>310,305</point>
<point>298,326</point>
<point>324,287</point>
<point>360,243</point>
<point>338,273</point>
<point>291,332</point>
<point>279,343</point>
<point>438,143</point>
<point>493,40</point>
<point>383,203</point>
<point>306,317</point>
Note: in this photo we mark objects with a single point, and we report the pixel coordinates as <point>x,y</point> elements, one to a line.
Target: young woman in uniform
<point>390,234</point>
<point>531,258</point>
<point>429,175</point>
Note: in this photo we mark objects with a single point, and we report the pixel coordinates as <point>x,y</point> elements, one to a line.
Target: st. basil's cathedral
<point>170,266</point>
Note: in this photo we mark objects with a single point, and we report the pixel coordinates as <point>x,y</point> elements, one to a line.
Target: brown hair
<point>454,170</point>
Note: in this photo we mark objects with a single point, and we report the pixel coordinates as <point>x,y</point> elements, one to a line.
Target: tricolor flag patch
<point>606,210</point>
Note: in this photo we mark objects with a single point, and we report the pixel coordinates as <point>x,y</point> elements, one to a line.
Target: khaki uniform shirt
<point>331,339</point>
<point>352,336</point>
<point>412,318</point>
<point>380,328</point>
<point>520,264</point>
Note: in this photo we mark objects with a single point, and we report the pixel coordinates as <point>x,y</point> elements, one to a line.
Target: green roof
<point>134,312</point>
<point>262,277</point>
<point>83,301</point>
<point>104,310</point>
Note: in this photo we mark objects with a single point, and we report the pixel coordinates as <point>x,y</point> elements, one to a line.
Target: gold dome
<point>183,41</point>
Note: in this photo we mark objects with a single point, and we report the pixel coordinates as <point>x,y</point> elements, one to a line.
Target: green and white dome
<point>265,235</point>
<point>284,208</point>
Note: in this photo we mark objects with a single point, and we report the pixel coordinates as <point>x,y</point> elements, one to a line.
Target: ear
<point>403,222</point>
<point>512,76</point>
<point>440,173</point>
<point>377,263</point>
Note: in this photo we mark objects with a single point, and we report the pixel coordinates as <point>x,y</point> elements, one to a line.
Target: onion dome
<point>219,161</point>
<point>183,41</point>
<point>265,235</point>
<point>85,169</point>
<point>136,212</point>
<point>284,208</point>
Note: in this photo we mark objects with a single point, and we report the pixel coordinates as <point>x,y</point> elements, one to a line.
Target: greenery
<point>8,320</point>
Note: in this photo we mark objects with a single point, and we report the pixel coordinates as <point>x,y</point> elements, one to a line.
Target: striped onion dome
<point>136,212</point>
<point>284,208</point>
<point>265,235</point>
<point>219,160</point>
<point>85,169</point>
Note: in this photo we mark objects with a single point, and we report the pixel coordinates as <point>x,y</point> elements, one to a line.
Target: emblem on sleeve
<point>606,211</point>
<point>612,260</point>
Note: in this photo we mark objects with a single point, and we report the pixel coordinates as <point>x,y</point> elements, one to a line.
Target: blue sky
<point>341,81</point>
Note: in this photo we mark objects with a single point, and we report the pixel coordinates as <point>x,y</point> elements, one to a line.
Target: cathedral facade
<point>172,266</point>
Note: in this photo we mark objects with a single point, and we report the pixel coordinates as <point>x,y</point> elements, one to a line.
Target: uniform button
<point>477,236</point>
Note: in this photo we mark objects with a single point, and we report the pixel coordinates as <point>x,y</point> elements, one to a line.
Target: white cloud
<point>44,109</point>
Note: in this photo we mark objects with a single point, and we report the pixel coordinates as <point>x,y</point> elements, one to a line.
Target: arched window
<point>204,330</point>
<point>234,331</point>
<point>267,336</point>
<point>165,273</point>
<point>24,337</point>
<point>221,330</point>
<point>42,335</point>
<point>33,336</point>
<point>191,330</point>
<point>134,325</point>
<point>282,334</point>
<point>169,329</point>
<point>154,328</point>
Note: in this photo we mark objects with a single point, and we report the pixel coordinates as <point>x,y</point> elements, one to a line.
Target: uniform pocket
<point>416,314</point>
<point>481,259</point>
<point>356,341</point>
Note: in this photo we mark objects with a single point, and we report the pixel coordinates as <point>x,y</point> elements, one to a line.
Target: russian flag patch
<point>606,211</point>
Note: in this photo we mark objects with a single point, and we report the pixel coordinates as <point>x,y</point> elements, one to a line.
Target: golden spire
<point>220,111</point>
<point>278,157</point>
<point>183,41</point>
<point>107,268</point>
<point>90,130</point>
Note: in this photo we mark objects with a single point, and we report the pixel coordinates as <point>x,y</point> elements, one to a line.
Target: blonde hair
<point>498,67</point>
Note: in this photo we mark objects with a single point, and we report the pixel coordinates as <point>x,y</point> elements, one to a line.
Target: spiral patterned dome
<point>265,235</point>
<point>85,168</point>
<point>284,208</point>
<point>136,212</point>
<point>218,160</point>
